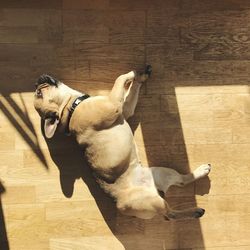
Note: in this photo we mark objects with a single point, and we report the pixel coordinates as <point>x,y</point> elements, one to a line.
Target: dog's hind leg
<point>140,197</point>
<point>166,177</point>
<point>144,205</point>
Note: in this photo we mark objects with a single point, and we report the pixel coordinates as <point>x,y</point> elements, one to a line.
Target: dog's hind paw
<point>202,171</point>
<point>199,212</point>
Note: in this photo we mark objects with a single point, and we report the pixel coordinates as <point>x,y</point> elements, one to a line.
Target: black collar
<point>75,103</point>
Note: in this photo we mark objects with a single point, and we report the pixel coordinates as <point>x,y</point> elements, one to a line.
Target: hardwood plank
<point>153,134</point>
<point>86,243</point>
<point>222,39</point>
<point>88,211</point>
<point>212,87</point>
<point>231,118</point>
<point>85,5</point>
<point>215,88</point>
<point>230,167</point>
<point>19,35</point>
<point>207,135</point>
<point>80,191</point>
<point>176,67</point>
<point>197,118</point>
<point>169,120</point>
<point>19,217</point>
<point>92,87</point>
<point>172,156</point>
<point>206,100</point>
<point>19,195</point>
<point>127,27</point>
<point>234,214</point>
<point>52,229</point>
<point>234,153</point>
<point>46,4</point>
<point>172,103</point>
<point>107,62</point>
<point>27,62</point>
<point>75,28</point>
<point>241,135</point>
<point>230,102</point>
<point>143,4</point>
<point>11,158</point>
<point>23,211</point>
<point>163,26</point>
<point>195,6</point>
<point>142,242</point>
<point>189,237</point>
<point>225,248</point>
<point>7,141</point>
<point>220,209</point>
<point>82,210</point>
<point>148,103</point>
<point>16,27</point>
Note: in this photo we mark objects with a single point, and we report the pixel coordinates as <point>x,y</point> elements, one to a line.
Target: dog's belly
<point>110,151</point>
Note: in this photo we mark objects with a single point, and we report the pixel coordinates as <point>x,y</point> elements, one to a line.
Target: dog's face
<point>47,102</point>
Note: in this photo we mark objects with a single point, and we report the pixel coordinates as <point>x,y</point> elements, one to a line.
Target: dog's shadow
<point>70,161</point>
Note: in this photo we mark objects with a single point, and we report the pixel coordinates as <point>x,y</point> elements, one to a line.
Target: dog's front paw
<point>148,70</point>
<point>145,74</point>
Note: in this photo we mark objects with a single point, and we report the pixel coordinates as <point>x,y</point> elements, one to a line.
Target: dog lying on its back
<point>99,124</point>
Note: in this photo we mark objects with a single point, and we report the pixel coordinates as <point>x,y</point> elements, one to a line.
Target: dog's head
<point>48,100</point>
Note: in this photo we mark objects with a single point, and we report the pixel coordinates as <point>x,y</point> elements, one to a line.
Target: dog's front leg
<point>131,96</point>
<point>118,91</point>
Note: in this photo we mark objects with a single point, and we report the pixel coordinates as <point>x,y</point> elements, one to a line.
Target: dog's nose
<point>54,114</point>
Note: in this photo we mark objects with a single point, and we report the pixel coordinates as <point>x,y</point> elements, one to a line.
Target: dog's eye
<point>39,93</point>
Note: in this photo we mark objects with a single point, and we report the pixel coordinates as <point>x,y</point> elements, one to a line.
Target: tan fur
<point>100,127</point>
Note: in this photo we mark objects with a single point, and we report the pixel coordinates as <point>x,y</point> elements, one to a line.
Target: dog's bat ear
<point>47,79</point>
<point>50,126</point>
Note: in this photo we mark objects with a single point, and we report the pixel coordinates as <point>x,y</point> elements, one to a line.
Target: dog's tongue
<point>50,126</point>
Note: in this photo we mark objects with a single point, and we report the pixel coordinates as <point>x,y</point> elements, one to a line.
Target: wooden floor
<point>195,109</point>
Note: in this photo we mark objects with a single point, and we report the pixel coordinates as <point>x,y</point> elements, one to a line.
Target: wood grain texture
<point>195,109</point>
<point>75,28</point>
<point>30,26</point>
<point>24,4</point>
<point>85,5</point>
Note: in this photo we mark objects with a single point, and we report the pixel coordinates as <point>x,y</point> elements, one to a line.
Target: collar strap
<point>75,103</point>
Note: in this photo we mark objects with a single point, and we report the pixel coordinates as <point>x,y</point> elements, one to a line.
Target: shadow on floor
<point>22,123</point>
<point>4,244</point>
